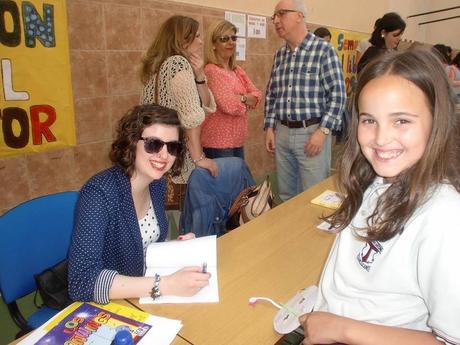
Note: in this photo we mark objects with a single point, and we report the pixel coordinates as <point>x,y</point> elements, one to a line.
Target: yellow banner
<point>345,44</point>
<point>36,103</point>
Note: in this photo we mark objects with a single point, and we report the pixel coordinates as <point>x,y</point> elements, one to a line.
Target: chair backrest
<point>34,235</point>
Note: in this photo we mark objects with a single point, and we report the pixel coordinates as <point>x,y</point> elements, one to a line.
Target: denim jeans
<point>208,199</point>
<point>297,172</point>
<point>220,153</point>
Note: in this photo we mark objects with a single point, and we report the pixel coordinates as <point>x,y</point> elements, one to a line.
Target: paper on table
<point>168,257</point>
<point>328,199</point>
<point>163,332</point>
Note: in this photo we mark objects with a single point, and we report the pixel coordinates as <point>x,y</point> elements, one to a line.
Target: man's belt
<point>300,124</point>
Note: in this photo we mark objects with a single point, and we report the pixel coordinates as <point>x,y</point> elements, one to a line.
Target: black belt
<point>301,124</point>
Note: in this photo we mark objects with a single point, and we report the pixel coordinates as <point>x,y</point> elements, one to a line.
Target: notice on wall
<point>257,26</point>
<point>36,103</point>
<point>241,49</point>
<point>239,20</point>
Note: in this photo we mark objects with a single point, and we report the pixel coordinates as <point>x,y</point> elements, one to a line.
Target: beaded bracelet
<point>156,293</point>
<point>200,81</point>
<point>199,158</point>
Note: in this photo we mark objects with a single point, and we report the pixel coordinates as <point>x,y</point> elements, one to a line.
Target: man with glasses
<point>304,101</point>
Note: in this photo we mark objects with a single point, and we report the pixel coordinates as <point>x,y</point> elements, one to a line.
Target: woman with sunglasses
<point>224,132</point>
<point>120,211</point>
<point>173,76</point>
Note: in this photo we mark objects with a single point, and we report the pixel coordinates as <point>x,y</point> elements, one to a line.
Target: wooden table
<point>275,255</point>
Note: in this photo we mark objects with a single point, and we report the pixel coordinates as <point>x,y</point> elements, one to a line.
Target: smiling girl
<point>391,276</point>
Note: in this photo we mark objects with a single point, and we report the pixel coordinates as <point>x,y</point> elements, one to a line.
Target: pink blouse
<point>228,126</point>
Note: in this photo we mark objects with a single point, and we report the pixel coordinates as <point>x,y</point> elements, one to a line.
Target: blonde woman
<point>224,132</point>
<point>173,76</point>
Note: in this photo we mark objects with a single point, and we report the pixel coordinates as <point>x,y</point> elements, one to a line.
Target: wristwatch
<point>243,99</point>
<point>326,131</point>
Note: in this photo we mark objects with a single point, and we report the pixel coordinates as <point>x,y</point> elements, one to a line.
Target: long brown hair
<point>129,132</point>
<point>173,38</point>
<point>440,162</point>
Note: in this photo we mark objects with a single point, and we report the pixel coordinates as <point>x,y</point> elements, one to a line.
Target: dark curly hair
<point>389,22</point>
<point>129,131</point>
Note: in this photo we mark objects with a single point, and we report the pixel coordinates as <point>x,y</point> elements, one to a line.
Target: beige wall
<point>107,40</point>
<point>359,15</point>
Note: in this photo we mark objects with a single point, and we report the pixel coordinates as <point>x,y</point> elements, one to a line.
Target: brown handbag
<point>175,192</point>
<point>250,203</point>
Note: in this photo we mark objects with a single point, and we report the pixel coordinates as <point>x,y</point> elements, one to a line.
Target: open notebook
<point>168,257</point>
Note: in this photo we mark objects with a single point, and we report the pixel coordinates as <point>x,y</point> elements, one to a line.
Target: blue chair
<point>34,236</point>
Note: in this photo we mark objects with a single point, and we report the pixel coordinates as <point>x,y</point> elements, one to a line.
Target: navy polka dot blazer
<point>106,238</point>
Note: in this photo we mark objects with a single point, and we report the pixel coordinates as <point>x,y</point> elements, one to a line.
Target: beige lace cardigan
<point>178,91</point>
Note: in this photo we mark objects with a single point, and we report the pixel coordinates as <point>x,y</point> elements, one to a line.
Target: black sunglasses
<point>154,145</point>
<point>226,38</point>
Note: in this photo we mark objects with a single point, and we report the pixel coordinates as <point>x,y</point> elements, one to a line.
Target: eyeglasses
<point>154,145</point>
<point>281,13</point>
<point>226,38</point>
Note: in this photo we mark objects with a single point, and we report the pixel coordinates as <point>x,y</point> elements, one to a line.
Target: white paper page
<point>167,257</point>
<point>163,332</point>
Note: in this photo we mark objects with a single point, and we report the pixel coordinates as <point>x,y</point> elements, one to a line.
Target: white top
<point>411,280</point>
<point>178,91</point>
<point>363,45</point>
<point>150,229</point>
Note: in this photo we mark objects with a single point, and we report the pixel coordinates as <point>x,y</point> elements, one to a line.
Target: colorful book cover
<point>90,323</point>
<point>328,199</point>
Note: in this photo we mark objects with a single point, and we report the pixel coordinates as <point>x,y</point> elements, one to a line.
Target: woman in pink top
<point>224,132</point>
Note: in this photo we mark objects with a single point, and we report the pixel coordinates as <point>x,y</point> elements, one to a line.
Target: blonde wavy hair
<point>175,35</point>
<point>216,31</point>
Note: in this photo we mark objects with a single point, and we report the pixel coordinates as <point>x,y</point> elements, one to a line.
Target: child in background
<point>391,276</point>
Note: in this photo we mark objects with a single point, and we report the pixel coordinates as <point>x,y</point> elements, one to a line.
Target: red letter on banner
<point>39,128</point>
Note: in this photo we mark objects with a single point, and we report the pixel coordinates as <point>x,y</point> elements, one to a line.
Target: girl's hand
<point>197,63</point>
<point>187,236</point>
<point>210,165</point>
<point>322,328</point>
<point>185,282</point>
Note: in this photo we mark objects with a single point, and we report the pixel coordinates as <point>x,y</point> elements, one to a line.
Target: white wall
<point>359,15</point>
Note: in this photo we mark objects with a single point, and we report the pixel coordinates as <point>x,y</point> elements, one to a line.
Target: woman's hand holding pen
<point>185,282</point>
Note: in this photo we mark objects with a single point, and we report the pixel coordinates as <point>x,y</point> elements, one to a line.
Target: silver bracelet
<point>199,158</point>
<point>156,293</point>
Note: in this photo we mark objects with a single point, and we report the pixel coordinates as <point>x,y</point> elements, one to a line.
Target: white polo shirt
<point>411,280</point>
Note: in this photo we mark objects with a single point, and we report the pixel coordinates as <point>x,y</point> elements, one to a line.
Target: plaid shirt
<point>306,83</point>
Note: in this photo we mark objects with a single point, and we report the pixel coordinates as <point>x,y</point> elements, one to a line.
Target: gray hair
<point>299,5</point>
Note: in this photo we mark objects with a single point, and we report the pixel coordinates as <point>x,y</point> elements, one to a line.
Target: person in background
<point>390,275</point>
<point>385,37</point>
<point>304,102</point>
<point>120,211</point>
<point>364,44</point>
<point>173,76</point>
<point>456,72</point>
<point>323,33</point>
<point>443,53</point>
<point>224,132</point>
